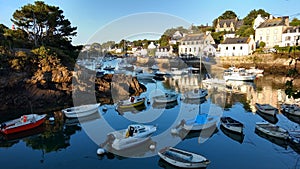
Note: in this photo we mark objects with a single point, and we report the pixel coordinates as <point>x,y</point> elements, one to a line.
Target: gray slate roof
<point>241,40</point>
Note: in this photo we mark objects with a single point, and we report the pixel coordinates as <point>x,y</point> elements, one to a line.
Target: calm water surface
<point>66,143</point>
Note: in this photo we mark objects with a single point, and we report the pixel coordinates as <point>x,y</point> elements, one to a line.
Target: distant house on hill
<point>193,44</point>
<point>228,25</point>
<point>271,31</point>
<point>258,20</point>
<point>237,46</point>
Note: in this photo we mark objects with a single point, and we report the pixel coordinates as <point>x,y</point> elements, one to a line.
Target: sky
<point>100,21</point>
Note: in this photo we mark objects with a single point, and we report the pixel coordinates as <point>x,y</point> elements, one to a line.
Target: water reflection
<point>269,118</point>
<point>280,142</point>
<point>239,137</point>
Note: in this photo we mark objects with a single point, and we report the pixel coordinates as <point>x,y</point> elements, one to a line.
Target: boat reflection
<point>133,110</point>
<point>194,101</point>
<point>269,118</point>
<point>280,142</point>
<point>200,134</point>
<point>169,105</point>
<point>76,121</point>
<point>239,137</point>
<point>291,117</point>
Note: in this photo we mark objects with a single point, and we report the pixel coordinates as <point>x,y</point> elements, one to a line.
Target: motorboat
<point>182,158</point>
<point>238,74</point>
<point>80,111</point>
<point>133,101</point>
<point>266,109</point>
<point>165,98</point>
<point>23,123</point>
<point>195,94</point>
<point>133,135</point>
<point>200,122</point>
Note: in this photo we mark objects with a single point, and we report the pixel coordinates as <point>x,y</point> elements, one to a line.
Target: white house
<point>238,46</point>
<point>193,44</point>
<point>164,52</point>
<point>271,31</point>
<point>258,20</point>
<point>210,50</point>
<point>291,36</point>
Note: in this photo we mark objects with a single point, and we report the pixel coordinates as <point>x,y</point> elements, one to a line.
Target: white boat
<point>132,102</point>
<point>183,159</point>
<point>292,109</point>
<point>80,111</point>
<point>271,130</point>
<point>195,94</point>
<point>176,72</point>
<point>214,81</point>
<point>165,98</point>
<point>135,134</point>
<point>255,71</point>
<point>238,74</point>
<point>266,108</point>
<point>232,124</point>
<point>200,122</point>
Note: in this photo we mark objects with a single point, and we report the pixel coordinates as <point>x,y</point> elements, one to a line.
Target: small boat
<point>200,122</point>
<point>195,94</point>
<point>80,111</point>
<point>266,108</point>
<point>165,98</point>
<point>272,130</point>
<point>238,74</point>
<point>109,68</point>
<point>183,159</point>
<point>255,71</point>
<point>176,72</point>
<point>133,101</point>
<point>232,124</point>
<point>292,109</point>
<point>267,117</point>
<point>135,134</point>
<point>278,141</point>
<point>23,123</point>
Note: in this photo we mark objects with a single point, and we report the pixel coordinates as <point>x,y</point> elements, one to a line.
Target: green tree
<point>249,19</point>
<point>245,31</point>
<point>164,40</point>
<point>262,44</point>
<point>45,24</point>
<point>295,22</point>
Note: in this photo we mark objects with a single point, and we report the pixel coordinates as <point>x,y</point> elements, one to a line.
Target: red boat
<point>23,123</point>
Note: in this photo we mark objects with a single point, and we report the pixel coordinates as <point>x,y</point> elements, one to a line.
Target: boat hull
<point>80,111</point>
<point>272,130</point>
<point>24,127</point>
<point>179,158</point>
<point>266,109</point>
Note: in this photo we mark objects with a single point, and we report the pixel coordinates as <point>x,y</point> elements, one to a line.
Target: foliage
<point>226,15</point>
<point>249,19</point>
<point>44,24</point>
<point>218,36</point>
<point>164,40</point>
<point>170,32</point>
<point>262,44</point>
<point>295,22</point>
<point>245,31</point>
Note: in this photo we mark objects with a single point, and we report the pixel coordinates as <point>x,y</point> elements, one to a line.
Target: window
<point>275,38</point>
<point>241,47</point>
<point>233,48</point>
<point>190,49</point>
<point>185,50</point>
<point>226,47</point>
<point>268,31</point>
<point>192,43</point>
<point>260,38</point>
<point>188,43</point>
<point>267,38</point>
<point>287,38</point>
<point>194,49</point>
<point>275,31</point>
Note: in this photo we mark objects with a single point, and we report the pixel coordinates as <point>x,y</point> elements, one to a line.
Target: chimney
<point>271,17</point>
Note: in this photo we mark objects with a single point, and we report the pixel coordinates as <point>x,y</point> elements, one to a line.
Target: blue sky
<point>97,18</point>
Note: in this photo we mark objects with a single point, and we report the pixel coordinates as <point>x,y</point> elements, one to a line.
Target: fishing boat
<point>135,134</point>
<point>276,140</point>
<point>200,122</point>
<point>267,117</point>
<point>232,124</point>
<point>195,94</point>
<point>133,101</point>
<point>271,130</point>
<point>109,68</point>
<point>80,111</point>
<point>183,159</point>
<point>266,108</point>
<point>23,123</point>
<point>258,72</point>
<point>165,98</point>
